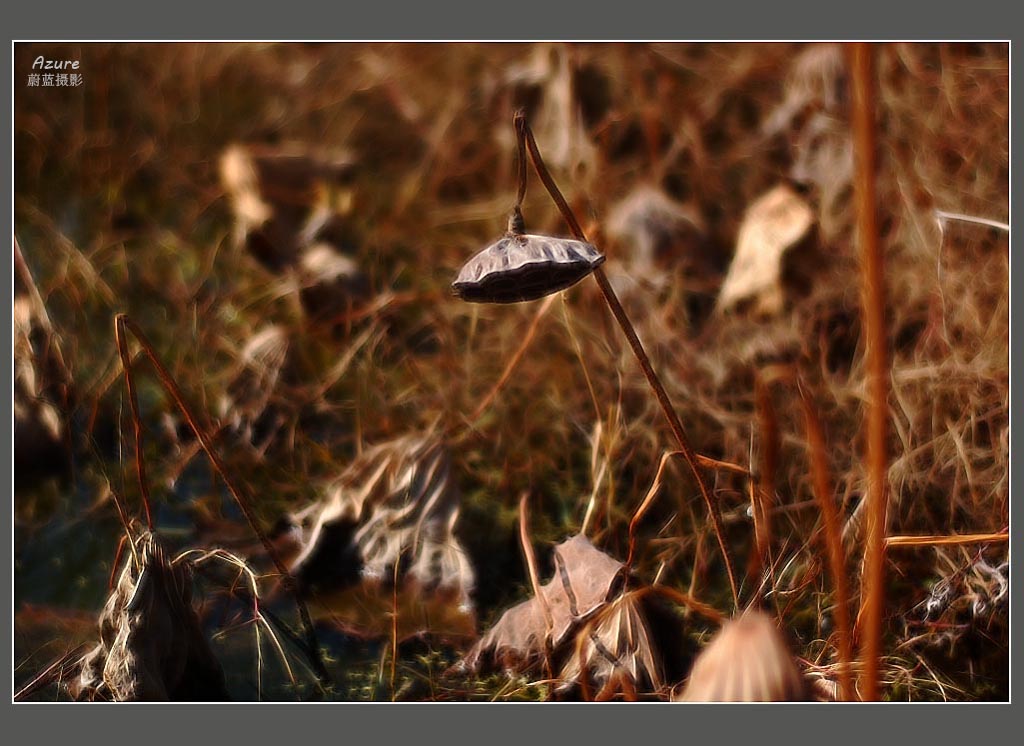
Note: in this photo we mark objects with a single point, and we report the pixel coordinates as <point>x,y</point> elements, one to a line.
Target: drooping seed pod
<point>522,267</point>
<point>747,661</point>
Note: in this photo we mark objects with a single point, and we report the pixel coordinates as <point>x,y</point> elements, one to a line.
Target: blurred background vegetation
<point>400,159</point>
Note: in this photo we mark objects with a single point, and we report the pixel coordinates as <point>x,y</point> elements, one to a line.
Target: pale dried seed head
<point>747,661</point>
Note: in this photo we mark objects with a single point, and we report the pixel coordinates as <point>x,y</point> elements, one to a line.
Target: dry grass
<point>119,208</point>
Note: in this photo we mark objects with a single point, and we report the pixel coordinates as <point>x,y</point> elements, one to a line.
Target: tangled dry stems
<point>574,425</point>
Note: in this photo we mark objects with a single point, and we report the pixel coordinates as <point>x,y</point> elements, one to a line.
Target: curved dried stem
<point>133,402</point>
<point>198,557</point>
<point>524,132</point>
<point>122,323</point>
<point>646,503</point>
<point>531,566</point>
<point>520,124</point>
<point>823,493</point>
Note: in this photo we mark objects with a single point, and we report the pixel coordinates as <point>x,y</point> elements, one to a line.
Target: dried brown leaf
<point>583,582</point>
<point>773,224</point>
<point>617,643</point>
<point>151,645</point>
<point>395,506</point>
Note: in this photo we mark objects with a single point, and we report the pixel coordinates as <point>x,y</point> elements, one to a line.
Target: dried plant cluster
<point>151,645</point>
<point>286,223</point>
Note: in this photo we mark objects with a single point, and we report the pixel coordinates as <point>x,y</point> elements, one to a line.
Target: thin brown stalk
<point>762,489</point>
<point>646,503</point>
<point>531,567</point>
<point>953,540</point>
<point>122,323</point>
<point>686,599</point>
<point>122,515</point>
<point>873,315</point>
<point>394,628</point>
<point>823,493</point>
<point>118,553</point>
<point>578,349</point>
<point>526,135</point>
<point>761,515</point>
<point>521,138</point>
<point>713,463</point>
<point>698,556</point>
<point>133,402</point>
<point>513,362</point>
<point>759,560</point>
<point>52,673</point>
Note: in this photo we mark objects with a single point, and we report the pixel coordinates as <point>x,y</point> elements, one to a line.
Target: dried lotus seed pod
<point>522,267</point>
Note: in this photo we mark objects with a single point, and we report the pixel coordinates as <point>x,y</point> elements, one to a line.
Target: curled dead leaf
<point>585,579</point>
<point>775,223</point>
<point>396,507</point>
<point>151,645</point>
<point>658,230</point>
<point>617,647</point>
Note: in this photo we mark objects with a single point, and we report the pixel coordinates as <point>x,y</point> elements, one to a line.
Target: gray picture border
<point>448,723</point>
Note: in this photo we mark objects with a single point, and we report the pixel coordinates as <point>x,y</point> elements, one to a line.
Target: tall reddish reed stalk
<point>873,318</point>
<point>824,495</point>
<point>762,489</point>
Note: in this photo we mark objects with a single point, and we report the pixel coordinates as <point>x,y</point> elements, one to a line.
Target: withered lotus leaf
<point>246,405</point>
<point>747,661</point>
<point>617,644</point>
<point>395,506</point>
<point>584,580</point>
<point>523,267</point>
<point>775,223</point>
<point>151,645</point>
<point>272,191</point>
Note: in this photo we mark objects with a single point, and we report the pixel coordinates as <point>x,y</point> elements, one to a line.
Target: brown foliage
<point>151,644</point>
<point>583,582</point>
